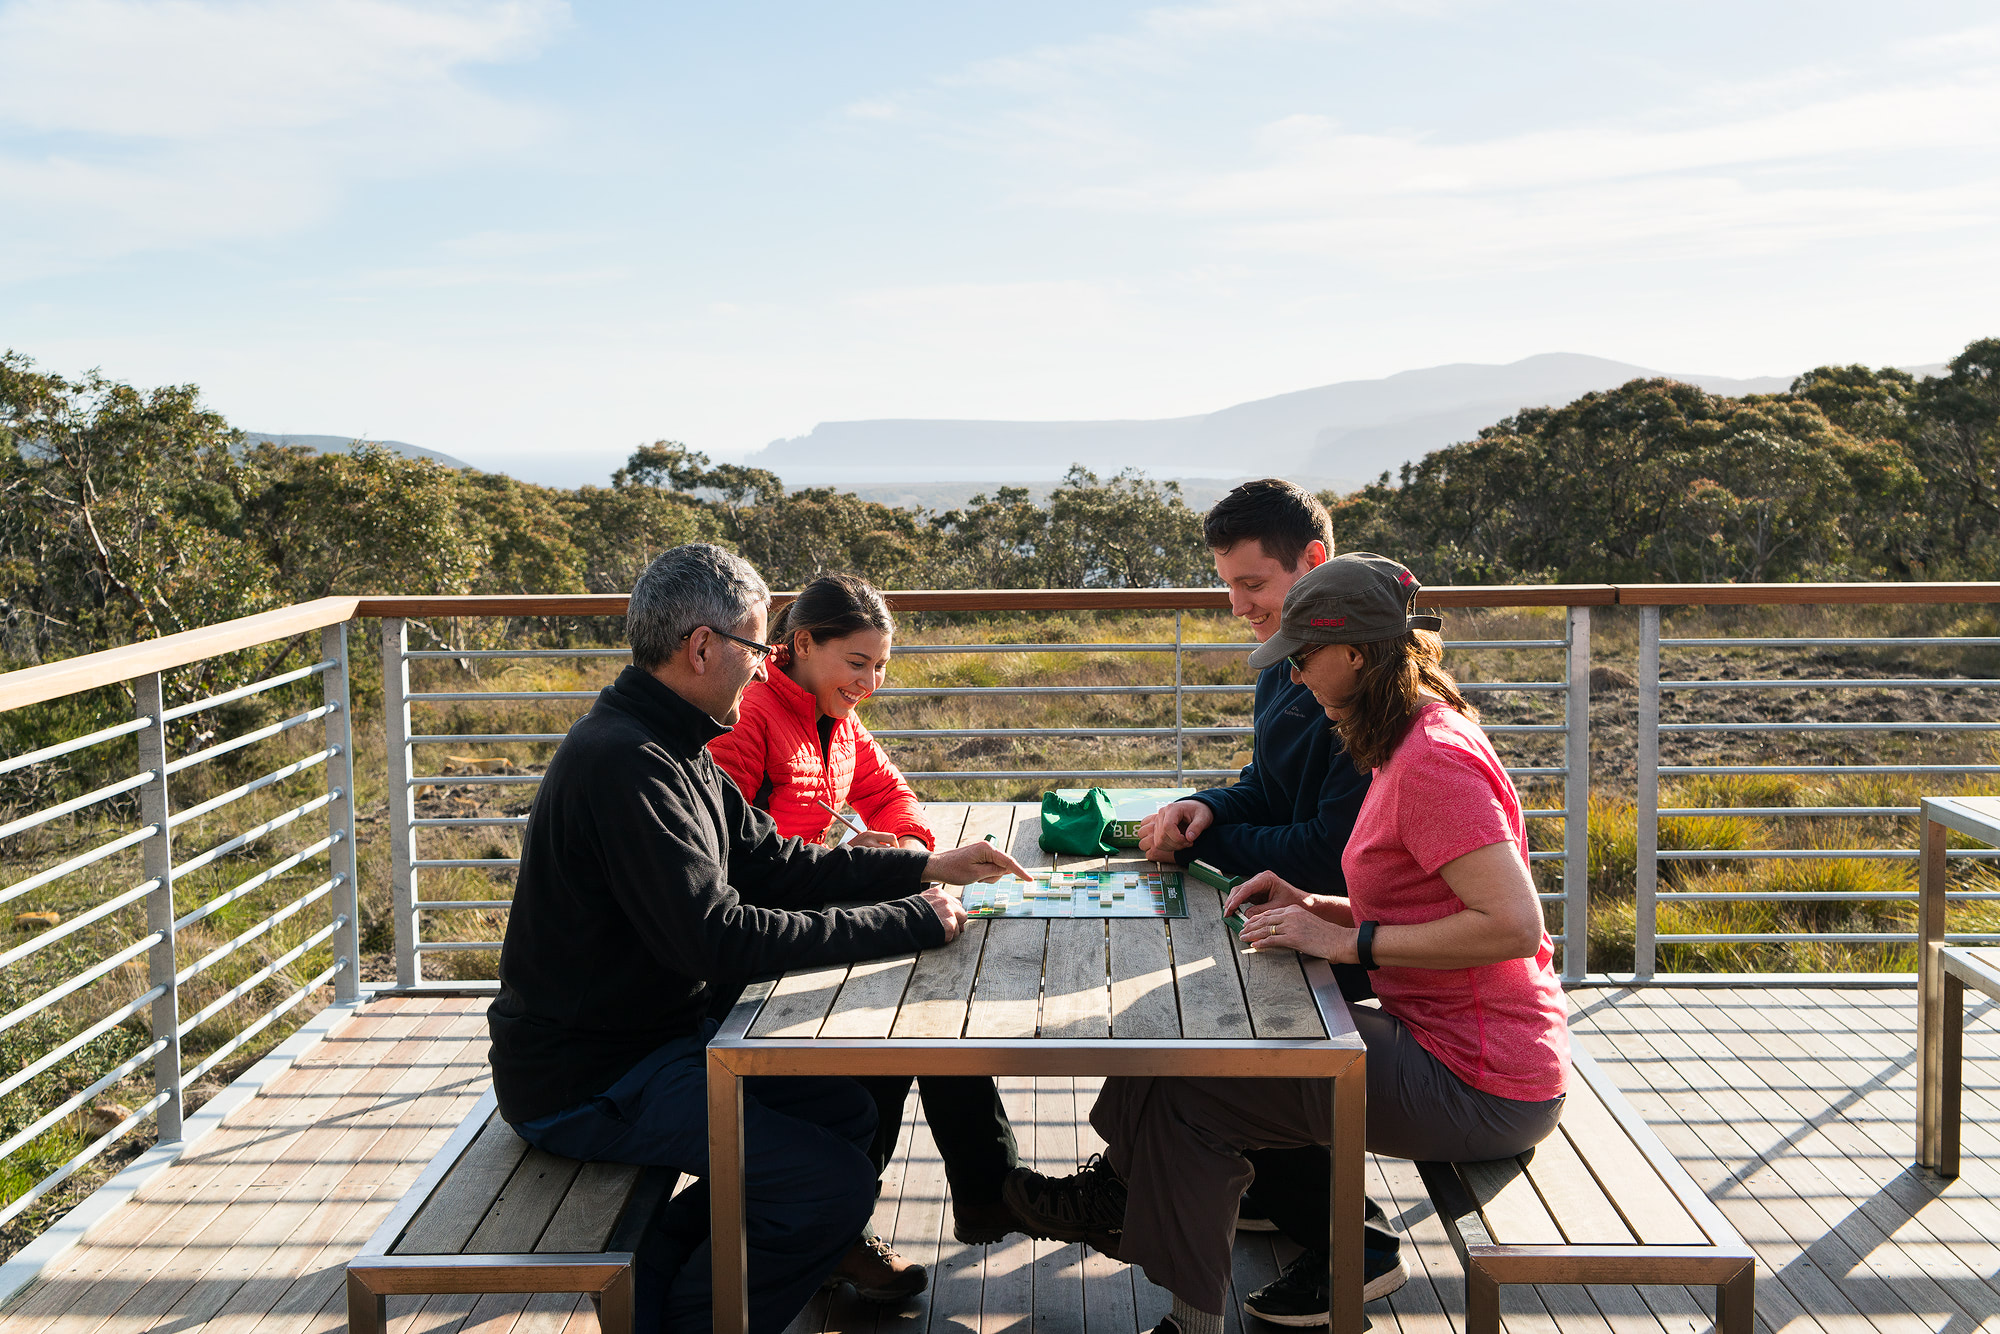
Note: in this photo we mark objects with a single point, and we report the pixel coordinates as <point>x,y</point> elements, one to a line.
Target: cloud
<point>127,125</point>
<point>1879,144</point>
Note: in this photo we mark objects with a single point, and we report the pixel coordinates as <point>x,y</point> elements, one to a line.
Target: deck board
<point>1794,1108</point>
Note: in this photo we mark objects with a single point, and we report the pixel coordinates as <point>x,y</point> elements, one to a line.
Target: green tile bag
<point>1075,822</point>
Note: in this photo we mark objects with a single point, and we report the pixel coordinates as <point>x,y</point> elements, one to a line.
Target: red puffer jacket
<point>773,754</point>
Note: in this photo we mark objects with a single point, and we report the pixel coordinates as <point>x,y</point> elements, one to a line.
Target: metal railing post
<point>1646,877</point>
<point>1180,759</point>
<point>158,851</point>
<point>1576,801</point>
<point>402,801</point>
<point>345,900</point>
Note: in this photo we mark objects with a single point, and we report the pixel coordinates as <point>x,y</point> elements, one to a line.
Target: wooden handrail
<point>1741,595</point>
<point>35,685</point>
<point>990,599</point>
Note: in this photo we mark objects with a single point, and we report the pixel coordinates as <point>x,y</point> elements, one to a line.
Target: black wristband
<point>1364,945</point>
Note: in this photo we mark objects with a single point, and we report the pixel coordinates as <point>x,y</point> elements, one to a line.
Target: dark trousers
<point>967,1120</point>
<point>808,1183</point>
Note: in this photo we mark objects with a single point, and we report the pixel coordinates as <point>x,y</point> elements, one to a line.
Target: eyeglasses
<point>1298,660</point>
<point>762,651</point>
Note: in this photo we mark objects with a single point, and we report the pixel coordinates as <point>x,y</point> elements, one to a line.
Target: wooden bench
<point>492,1214</point>
<point>1599,1201</point>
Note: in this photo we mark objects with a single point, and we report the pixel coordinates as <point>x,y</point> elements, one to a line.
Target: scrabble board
<point>1080,894</point>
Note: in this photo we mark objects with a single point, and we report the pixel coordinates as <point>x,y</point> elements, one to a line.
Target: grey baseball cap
<point>1358,598</point>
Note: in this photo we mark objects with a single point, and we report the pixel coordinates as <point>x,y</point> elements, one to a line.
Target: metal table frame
<point>1339,1058</point>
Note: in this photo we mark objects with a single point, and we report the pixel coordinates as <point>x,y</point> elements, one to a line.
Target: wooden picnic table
<point>1057,996</point>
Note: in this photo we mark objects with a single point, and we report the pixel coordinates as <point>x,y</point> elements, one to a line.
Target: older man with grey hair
<point>650,890</point>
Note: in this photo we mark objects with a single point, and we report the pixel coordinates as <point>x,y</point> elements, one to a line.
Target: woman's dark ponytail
<point>832,606</point>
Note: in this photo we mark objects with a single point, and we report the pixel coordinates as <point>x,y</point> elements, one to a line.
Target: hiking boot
<point>1298,1297</point>
<point>878,1273</point>
<point>1088,1206</point>
<point>983,1224</point>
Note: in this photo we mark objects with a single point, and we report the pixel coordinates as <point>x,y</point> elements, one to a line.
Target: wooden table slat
<point>1076,1000</point>
<point>1143,1003</point>
<point>1007,1001</point>
<point>799,1004</point>
<point>866,1006</point>
<point>940,988</point>
<point>1205,974</point>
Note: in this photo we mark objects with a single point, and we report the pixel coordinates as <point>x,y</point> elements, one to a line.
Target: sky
<point>535,235</point>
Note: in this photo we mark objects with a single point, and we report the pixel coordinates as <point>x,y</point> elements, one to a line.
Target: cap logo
<point>1330,622</point>
<point>1406,579</point>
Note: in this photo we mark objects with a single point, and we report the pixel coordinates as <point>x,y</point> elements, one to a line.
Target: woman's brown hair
<point>1389,688</point>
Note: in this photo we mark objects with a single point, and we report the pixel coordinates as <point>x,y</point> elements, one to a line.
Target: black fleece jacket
<point>647,884</point>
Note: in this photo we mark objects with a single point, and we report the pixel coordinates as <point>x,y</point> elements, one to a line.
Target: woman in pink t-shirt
<point>1468,1055</point>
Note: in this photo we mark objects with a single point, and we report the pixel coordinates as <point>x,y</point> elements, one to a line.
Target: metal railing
<point>1547,751</point>
<point>1654,687</point>
<point>180,995</point>
<point>411,769</point>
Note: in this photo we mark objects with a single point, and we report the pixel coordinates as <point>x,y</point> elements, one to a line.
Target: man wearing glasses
<point>649,891</point>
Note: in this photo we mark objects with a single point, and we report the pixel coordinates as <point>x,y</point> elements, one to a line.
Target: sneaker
<point>1249,1218</point>
<point>1166,1326</point>
<point>1088,1206</point>
<point>983,1224</point>
<point>878,1273</point>
<point>1298,1296</point>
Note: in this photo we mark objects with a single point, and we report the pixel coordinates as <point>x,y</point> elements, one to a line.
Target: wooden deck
<point>1795,1109</point>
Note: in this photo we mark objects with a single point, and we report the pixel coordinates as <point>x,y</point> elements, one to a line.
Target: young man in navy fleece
<point>1290,811</point>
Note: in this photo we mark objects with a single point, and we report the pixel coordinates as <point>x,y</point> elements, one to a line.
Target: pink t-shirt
<point>1443,793</point>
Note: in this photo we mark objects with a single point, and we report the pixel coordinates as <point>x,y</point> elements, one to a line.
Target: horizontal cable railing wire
<point>80,1047</point>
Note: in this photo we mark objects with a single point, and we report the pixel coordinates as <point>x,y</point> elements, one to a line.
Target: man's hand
<point>979,861</point>
<point>1173,828</point>
<point>948,907</point>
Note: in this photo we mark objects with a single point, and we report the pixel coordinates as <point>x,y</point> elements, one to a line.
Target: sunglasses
<point>762,651</point>
<point>1298,660</point>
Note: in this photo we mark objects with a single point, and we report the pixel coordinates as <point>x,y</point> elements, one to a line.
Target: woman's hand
<point>1266,890</point>
<point>875,838</point>
<point>913,843</point>
<point>1295,926</point>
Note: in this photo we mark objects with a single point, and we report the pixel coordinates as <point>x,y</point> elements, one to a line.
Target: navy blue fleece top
<point>1294,805</point>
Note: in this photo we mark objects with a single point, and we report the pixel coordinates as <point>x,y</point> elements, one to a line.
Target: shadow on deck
<point>1794,1110</point>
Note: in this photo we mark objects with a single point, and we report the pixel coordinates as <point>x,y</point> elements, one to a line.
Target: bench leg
<point>367,1311</point>
<point>1482,1300</point>
<point>1736,1303</point>
<point>1951,1075</point>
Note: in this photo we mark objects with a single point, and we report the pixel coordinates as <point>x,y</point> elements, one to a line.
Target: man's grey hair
<point>688,586</point>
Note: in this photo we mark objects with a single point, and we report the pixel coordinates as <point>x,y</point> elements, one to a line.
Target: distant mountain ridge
<point>1348,432</point>
<point>341,444</point>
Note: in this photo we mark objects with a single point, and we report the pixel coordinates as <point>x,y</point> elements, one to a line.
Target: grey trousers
<point>1178,1144</point>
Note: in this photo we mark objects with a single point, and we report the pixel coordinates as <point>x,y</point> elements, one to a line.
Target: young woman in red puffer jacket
<point>797,744</point>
